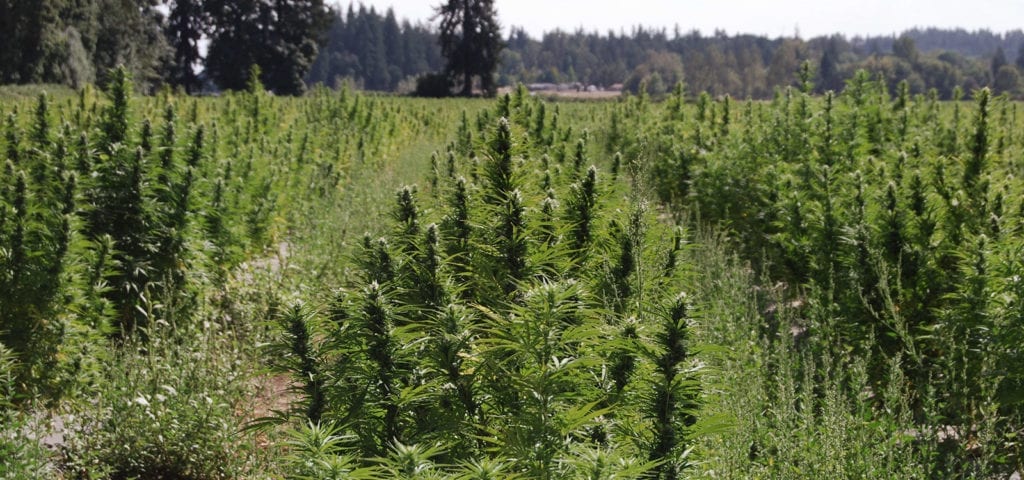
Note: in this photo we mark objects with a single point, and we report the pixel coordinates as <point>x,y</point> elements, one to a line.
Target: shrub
<point>164,410</point>
<point>433,85</point>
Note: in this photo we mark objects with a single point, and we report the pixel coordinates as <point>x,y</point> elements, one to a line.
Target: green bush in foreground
<point>168,408</point>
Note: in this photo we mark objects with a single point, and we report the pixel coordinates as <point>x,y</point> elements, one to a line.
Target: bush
<point>163,411</point>
<point>433,85</point>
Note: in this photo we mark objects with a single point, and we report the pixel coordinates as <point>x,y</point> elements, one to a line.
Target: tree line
<point>375,51</point>
<point>754,66</point>
<point>297,43</point>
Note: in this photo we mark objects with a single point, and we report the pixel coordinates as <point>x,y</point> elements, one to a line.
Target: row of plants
<point>139,241</point>
<point>521,317</point>
<point>884,233</point>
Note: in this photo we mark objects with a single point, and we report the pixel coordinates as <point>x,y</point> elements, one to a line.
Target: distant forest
<point>300,43</point>
<point>376,52</point>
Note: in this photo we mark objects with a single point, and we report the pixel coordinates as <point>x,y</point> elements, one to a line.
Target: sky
<point>774,18</point>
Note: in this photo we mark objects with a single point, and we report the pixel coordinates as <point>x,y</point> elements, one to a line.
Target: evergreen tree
<point>906,48</point>
<point>374,50</point>
<point>185,27</point>
<point>371,44</point>
<point>471,41</point>
<point>391,35</point>
<point>998,61</point>
<point>829,76</point>
<point>281,36</point>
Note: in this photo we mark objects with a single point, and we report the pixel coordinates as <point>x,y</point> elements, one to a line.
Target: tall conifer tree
<point>471,41</point>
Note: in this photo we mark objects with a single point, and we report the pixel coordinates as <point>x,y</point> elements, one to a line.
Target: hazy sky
<point>768,17</point>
